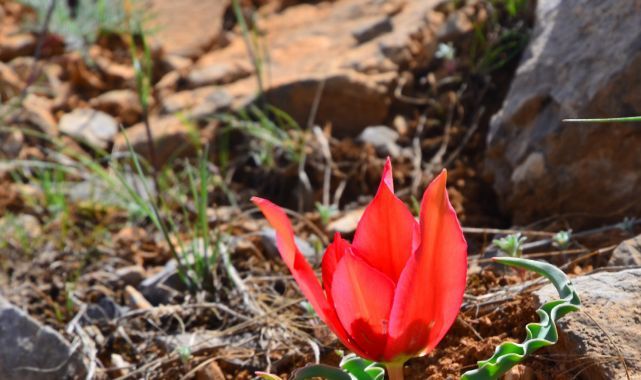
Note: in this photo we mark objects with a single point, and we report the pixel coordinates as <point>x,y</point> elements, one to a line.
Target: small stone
<point>372,29</point>
<point>120,367</point>
<point>172,139</point>
<point>12,46</point>
<point>20,229</point>
<point>130,234</point>
<point>210,372</point>
<point>11,84</point>
<point>400,124</point>
<point>221,213</point>
<point>347,223</point>
<point>215,102</point>
<point>194,341</point>
<point>168,83</point>
<point>268,236</point>
<point>131,275</point>
<point>187,27</point>
<point>199,103</point>
<point>457,25</point>
<point>118,71</point>
<point>95,127</point>
<point>520,372</point>
<point>38,110</point>
<point>104,310</point>
<point>135,299</point>
<point>122,104</point>
<point>382,138</point>
<point>176,62</point>
<point>628,253</point>
<point>162,286</point>
<point>217,73</point>
<point>11,143</point>
<point>27,344</point>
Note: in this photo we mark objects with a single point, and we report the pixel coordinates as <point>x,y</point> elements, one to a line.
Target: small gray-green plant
<point>501,37</point>
<point>513,7</point>
<point>275,136</point>
<point>445,51</point>
<point>184,353</point>
<point>627,225</point>
<point>81,24</point>
<point>562,239</point>
<point>511,245</point>
<point>51,183</point>
<point>255,51</point>
<point>326,212</point>
<point>204,255</point>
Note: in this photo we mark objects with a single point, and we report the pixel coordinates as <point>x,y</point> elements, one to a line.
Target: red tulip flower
<point>394,292</point>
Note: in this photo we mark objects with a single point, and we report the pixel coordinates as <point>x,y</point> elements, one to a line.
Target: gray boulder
<point>583,61</point>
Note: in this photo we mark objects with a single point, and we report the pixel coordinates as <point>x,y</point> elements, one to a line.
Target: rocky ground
<point>300,102</point>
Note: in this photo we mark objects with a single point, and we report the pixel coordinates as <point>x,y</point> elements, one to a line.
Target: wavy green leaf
<point>362,369</point>
<point>540,334</point>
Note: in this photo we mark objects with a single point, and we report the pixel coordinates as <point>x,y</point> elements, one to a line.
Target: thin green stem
<point>251,48</point>
<point>632,119</point>
<point>394,371</point>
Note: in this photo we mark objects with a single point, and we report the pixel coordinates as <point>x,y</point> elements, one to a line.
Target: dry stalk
<point>248,300</point>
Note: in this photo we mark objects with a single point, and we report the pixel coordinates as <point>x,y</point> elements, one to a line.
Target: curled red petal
<point>386,234</point>
<point>363,297</point>
<point>430,290</point>
<point>302,271</point>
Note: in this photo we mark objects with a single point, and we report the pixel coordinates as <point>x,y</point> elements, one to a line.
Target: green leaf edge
<point>320,370</point>
<point>267,376</point>
<point>540,334</point>
<point>351,367</point>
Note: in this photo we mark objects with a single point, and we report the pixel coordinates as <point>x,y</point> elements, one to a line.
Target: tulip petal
<point>387,232</point>
<point>302,271</point>
<point>363,297</point>
<point>333,254</point>
<point>430,290</point>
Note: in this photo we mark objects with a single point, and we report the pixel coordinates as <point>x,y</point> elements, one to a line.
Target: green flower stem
<point>395,371</point>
